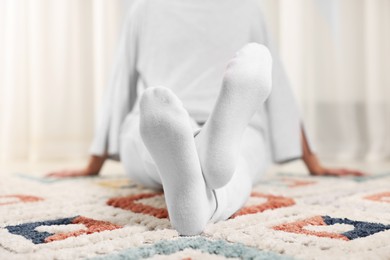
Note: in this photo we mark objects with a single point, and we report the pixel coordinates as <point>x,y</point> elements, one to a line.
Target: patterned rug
<point>287,217</point>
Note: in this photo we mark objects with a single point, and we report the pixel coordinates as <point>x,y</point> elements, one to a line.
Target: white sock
<point>246,85</point>
<point>167,133</point>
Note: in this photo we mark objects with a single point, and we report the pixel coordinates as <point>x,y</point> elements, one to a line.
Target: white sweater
<point>185,45</point>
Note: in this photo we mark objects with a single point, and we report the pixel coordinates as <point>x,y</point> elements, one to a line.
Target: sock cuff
<point>220,198</point>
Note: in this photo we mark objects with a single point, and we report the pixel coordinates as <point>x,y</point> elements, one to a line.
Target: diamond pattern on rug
<point>17,198</point>
<point>381,197</point>
<point>29,230</point>
<point>130,203</point>
<point>361,228</point>
<point>273,202</point>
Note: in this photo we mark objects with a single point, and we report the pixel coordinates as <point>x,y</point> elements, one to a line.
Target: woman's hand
<point>71,173</point>
<point>316,169</point>
<point>93,168</point>
<point>337,172</point>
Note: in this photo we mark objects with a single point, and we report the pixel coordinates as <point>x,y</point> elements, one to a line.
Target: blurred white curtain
<point>54,58</point>
<point>337,55</point>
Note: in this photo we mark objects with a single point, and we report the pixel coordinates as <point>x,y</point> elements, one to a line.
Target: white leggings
<point>253,162</point>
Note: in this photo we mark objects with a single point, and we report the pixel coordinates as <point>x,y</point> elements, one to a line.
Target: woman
<point>207,173</point>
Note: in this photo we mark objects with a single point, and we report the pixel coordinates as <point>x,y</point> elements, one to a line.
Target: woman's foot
<point>167,133</point>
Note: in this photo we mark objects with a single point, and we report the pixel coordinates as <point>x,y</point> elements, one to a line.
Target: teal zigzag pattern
<point>215,247</point>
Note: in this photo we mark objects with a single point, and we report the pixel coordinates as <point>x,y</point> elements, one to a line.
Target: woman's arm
<point>315,167</point>
<point>93,167</point>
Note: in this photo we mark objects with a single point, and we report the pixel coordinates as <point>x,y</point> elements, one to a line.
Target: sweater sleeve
<point>283,113</point>
<point>121,93</point>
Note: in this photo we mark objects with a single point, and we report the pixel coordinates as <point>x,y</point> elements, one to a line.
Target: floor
<point>288,216</point>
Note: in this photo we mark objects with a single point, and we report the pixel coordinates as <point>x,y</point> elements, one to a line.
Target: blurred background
<point>56,55</point>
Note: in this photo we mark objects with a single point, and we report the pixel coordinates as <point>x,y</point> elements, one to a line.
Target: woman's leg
<point>254,159</point>
<point>166,130</point>
<point>246,85</point>
<point>135,158</point>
